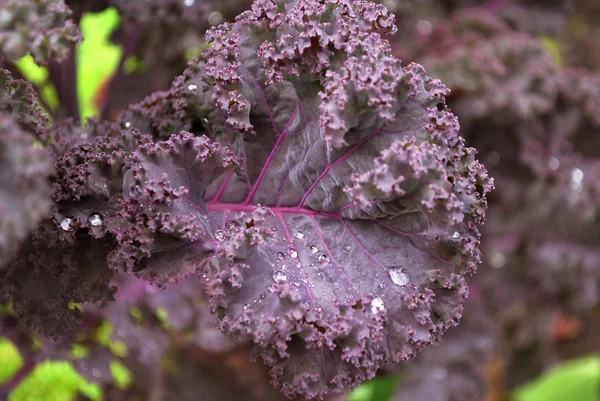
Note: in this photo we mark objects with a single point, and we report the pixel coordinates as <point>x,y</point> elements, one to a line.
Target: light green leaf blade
<point>377,389</point>
<point>54,381</point>
<point>11,360</point>
<point>97,58</point>
<point>576,380</point>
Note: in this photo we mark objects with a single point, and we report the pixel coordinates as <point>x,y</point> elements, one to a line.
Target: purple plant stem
<point>133,37</point>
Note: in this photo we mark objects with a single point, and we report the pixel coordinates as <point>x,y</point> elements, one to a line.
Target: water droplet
<point>377,306</point>
<point>192,87</point>
<point>382,286</point>
<point>398,276</point>
<point>323,259</point>
<point>95,219</point>
<point>279,276</point>
<point>232,224</point>
<point>127,124</point>
<point>215,18</point>
<point>293,253</point>
<point>553,164</point>
<point>96,372</point>
<point>65,224</point>
<point>497,259</point>
<point>299,235</point>
<point>219,235</point>
<point>347,248</point>
<point>189,3</point>
<point>424,27</point>
<point>280,255</point>
<point>577,179</point>
<point>577,175</point>
<point>455,235</point>
<point>313,249</point>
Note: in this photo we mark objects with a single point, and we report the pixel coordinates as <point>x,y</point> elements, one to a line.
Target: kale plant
<point>295,205</point>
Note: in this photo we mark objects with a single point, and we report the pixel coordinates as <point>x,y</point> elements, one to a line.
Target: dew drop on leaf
<point>299,235</point>
<point>313,249</point>
<point>95,220</point>
<point>65,224</point>
<point>347,248</point>
<point>398,276</point>
<point>232,224</point>
<point>192,87</point>
<point>293,253</point>
<point>455,235</point>
<point>377,306</point>
<point>279,276</point>
<point>323,259</point>
<point>280,255</point>
<point>219,235</point>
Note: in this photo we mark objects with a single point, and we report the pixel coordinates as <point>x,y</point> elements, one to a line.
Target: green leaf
<point>55,381</point>
<point>377,389</point>
<point>6,310</point>
<point>79,351</point>
<point>554,47</point>
<point>163,316</point>
<point>136,314</point>
<point>104,337</point>
<point>120,374</point>
<point>97,57</point>
<point>11,360</point>
<point>38,76</point>
<point>576,380</point>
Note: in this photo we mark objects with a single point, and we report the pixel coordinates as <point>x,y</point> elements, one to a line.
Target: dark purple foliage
<point>317,186</point>
<point>39,27</point>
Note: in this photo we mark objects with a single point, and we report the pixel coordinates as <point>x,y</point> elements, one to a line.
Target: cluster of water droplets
<point>95,220</point>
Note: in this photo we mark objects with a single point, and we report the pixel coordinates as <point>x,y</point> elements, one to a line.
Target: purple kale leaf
<point>24,188</point>
<point>24,193</point>
<point>345,240</point>
<point>318,186</point>
<point>39,27</point>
